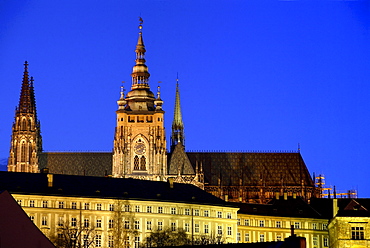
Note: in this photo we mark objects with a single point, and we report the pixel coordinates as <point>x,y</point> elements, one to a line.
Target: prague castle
<point>140,150</point>
<point>148,185</point>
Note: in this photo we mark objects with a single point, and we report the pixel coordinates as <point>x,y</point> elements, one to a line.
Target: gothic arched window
<point>142,163</point>
<point>136,163</point>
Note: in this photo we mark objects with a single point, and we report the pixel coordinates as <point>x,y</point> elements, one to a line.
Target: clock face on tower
<point>139,148</point>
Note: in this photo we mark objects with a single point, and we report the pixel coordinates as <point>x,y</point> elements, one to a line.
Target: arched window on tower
<point>29,124</point>
<point>142,163</point>
<point>23,152</point>
<point>23,124</point>
<point>136,163</point>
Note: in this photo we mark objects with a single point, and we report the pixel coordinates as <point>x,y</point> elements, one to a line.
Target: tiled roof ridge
<point>242,151</point>
<point>87,151</point>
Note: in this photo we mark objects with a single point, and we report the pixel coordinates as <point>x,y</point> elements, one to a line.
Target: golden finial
<point>141,23</point>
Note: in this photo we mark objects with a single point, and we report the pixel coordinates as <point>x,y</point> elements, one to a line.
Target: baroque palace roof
<point>104,187</point>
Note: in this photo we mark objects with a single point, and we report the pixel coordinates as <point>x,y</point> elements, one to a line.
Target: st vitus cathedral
<point>140,150</point>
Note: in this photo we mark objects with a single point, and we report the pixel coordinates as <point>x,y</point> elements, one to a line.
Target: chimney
<point>170,181</point>
<point>50,180</point>
<point>335,207</point>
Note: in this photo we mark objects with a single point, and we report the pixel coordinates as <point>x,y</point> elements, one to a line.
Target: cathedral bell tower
<point>140,143</point>
<point>26,142</point>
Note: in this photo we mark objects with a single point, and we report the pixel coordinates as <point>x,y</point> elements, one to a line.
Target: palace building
<point>140,150</point>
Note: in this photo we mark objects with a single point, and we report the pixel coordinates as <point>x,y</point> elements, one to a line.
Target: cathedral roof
<point>252,169</point>
<point>179,162</point>
<point>104,187</point>
<point>77,163</point>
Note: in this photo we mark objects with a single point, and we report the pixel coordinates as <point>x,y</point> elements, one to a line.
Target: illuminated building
<point>140,151</point>
<point>98,205</point>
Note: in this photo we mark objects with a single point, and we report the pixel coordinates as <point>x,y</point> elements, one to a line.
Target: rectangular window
<point>44,220</point>
<point>110,241</point>
<point>86,240</point>
<point>278,237</point>
<point>98,223</point>
<point>324,226</point>
<point>160,210</point>
<point>262,237</point>
<point>44,204</point>
<point>137,224</point>
<point>74,205</point>
<point>206,228</point>
<point>98,206</point>
<point>278,224</point>
<point>86,222</point>
<point>246,237</point>
<point>61,204</point>
<point>61,221</point>
<point>219,230</point>
<point>262,223</point>
<point>187,211</point>
<point>73,222</point>
<point>246,222</point>
<point>137,209</point>
<point>127,208</point>
<point>206,213</point>
<point>314,226</point>
<point>111,207</point>
<point>196,228</point>
<point>149,225</point>
<point>19,202</point>
<point>87,206</point>
<point>110,223</point>
<point>196,212</point>
<point>228,215</point>
<point>358,232</point>
<point>32,203</point>
<point>137,242</point>
<point>32,218</point>
<point>297,225</point>
<point>160,225</point>
<point>229,232</point>
<point>238,237</point>
<point>127,224</point>
<point>219,214</point>
<point>238,223</point>
<point>186,227</point>
<point>173,226</point>
<point>326,242</point>
<point>149,209</point>
<point>314,241</point>
<point>173,210</point>
<point>98,240</point>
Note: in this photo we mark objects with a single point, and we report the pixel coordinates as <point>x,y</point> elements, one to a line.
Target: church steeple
<point>140,75</point>
<point>178,135</point>
<point>26,142</point>
<point>140,142</point>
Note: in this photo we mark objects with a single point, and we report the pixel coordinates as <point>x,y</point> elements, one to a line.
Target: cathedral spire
<point>26,101</point>
<point>26,141</point>
<point>177,123</point>
<point>140,74</point>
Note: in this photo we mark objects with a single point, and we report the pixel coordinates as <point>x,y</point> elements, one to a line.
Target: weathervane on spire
<point>141,23</point>
<point>122,90</point>
<point>159,90</point>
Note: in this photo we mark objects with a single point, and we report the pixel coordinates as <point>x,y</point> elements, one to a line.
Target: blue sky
<point>254,75</point>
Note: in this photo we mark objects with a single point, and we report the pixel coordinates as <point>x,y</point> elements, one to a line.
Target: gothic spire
<point>177,123</point>
<point>26,99</point>
<point>140,74</point>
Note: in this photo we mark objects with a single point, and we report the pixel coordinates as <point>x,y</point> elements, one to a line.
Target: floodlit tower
<point>26,142</point>
<point>140,143</point>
